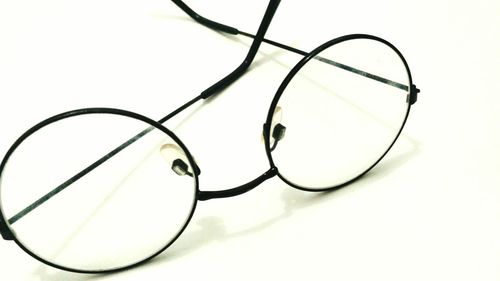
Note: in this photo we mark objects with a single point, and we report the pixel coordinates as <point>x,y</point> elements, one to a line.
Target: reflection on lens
<point>342,111</point>
<point>123,211</point>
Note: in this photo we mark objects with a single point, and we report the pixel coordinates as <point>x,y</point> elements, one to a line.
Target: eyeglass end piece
<point>5,231</point>
<point>412,98</point>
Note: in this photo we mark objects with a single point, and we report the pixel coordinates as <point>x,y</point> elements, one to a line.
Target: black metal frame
<point>5,230</point>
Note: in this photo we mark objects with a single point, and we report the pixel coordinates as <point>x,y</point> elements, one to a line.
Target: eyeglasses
<point>100,190</point>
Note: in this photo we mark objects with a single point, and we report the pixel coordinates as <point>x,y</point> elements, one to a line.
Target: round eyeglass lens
<point>97,191</point>
<point>339,114</point>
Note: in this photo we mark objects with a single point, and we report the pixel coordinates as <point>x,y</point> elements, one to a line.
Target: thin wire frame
<point>8,234</point>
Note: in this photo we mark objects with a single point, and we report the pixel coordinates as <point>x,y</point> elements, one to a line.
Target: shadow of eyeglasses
<point>210,229</point>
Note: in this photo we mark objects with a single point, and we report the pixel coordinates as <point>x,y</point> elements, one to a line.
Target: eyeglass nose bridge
<point>207,195</point>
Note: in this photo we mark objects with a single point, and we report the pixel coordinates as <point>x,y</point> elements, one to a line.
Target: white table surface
<point>429,211</point>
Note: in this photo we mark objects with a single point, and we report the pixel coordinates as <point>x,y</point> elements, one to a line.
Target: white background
<point>429,211</point>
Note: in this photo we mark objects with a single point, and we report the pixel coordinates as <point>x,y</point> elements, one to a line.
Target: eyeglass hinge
<point>412,98</point>
<point>5,231</point>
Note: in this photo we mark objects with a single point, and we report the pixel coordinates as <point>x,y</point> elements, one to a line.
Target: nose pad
<point>181,168</point>
<point>277,129</point>
<point>173,154</point>
<point>277,134</point>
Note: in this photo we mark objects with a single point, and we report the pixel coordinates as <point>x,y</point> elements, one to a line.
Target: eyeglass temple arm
<point>231,30</point>
<point>207,195</point>
<point>258,39</point>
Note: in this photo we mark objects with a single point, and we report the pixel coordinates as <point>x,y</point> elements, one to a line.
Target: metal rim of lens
<point>112,111</point>
<point>288,79</point>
